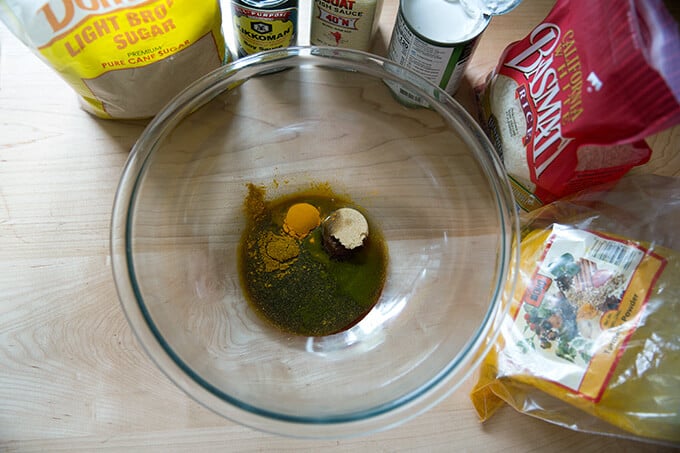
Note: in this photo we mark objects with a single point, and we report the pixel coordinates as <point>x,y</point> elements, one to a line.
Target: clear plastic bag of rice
<point>570,105</point>
<point>124,59</point>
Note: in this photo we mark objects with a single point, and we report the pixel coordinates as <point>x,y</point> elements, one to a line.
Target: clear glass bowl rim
<point>228,77</point>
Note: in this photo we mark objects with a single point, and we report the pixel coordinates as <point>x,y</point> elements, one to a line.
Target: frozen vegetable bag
<point>125,59</point>
<point>592,339</point>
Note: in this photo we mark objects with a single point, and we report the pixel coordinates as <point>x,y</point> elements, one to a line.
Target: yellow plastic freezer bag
<point>124,58</point>
<point>592,338</point>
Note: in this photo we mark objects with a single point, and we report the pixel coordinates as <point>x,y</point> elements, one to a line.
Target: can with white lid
<point>435,39</point>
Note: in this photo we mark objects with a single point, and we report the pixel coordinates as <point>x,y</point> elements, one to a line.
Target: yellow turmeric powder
<point>301,218</point>
<point>277,251</point>
<point>286,274</point>
<point>254,203</point>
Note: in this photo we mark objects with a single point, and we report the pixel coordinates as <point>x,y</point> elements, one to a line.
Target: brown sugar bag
<point>124,59</point>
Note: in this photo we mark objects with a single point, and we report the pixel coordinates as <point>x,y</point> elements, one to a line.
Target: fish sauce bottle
<point>349,24</point>
<point>261,25</point>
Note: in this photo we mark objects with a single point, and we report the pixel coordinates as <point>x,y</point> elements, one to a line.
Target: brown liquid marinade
<point>291,281</point>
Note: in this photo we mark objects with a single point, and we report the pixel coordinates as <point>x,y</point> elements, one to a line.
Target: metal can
<point>264,25</point>
<point>435,39</point>
<point>349,24</point>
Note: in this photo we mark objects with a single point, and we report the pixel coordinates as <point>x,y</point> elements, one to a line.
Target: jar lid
<point>492,7</point>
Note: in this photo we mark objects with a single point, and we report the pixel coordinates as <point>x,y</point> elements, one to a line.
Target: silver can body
<point>435,39</point>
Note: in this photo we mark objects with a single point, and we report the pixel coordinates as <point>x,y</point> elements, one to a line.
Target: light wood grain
<point>73,377</point>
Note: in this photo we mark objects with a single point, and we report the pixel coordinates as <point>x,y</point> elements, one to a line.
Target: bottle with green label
<point>261,25</point>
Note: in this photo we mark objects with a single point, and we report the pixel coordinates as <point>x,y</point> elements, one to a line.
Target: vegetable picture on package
<point>590,341</point>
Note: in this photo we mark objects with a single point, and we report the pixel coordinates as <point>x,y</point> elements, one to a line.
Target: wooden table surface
<point>72,375</point>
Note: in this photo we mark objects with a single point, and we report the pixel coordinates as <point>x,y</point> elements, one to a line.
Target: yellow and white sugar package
<point>125,59</point>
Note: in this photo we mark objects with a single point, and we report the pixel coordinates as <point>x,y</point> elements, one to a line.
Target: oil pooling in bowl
<point>261,25</point>
<point>307,262</point>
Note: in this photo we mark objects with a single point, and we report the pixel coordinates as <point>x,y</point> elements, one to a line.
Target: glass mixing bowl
<point>286,119</point>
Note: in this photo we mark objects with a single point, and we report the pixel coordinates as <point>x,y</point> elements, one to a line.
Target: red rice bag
<point>569,106</point>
